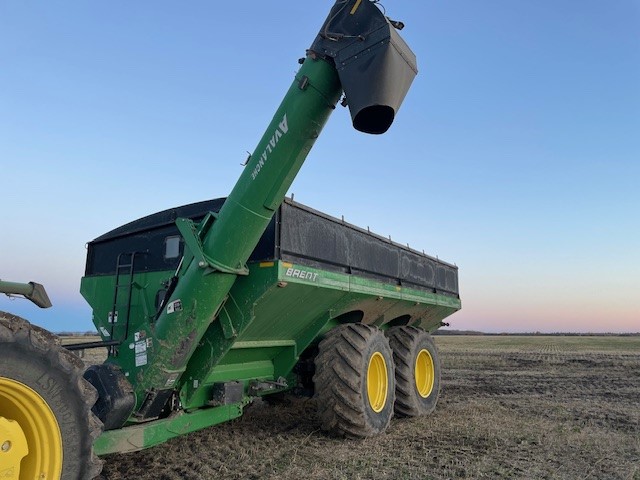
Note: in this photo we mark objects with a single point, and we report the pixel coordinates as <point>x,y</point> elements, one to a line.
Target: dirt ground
<point>510,407</point>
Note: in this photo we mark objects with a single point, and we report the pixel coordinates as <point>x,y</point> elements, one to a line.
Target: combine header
<point>207,306</point>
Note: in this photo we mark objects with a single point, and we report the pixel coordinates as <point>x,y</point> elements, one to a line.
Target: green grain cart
<point>205,307</point>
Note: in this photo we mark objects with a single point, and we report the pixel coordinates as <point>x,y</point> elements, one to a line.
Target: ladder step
<point>123,291</point>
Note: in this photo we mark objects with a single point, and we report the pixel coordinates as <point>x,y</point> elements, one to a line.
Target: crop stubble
<point>510,407</point>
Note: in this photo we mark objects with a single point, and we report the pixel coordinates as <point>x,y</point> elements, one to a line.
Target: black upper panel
<point>297,234</point>
<point>315,239</point>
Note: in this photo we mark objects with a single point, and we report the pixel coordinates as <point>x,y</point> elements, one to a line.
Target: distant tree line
<point>535,334</point>
<point>78,334</point>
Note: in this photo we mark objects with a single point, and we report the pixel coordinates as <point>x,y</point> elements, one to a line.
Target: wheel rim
<point>424,373</point>
<point>25,406</point>
<point>377,382</point>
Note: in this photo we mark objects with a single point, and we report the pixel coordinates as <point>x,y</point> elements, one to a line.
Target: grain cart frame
<point>207,306</point>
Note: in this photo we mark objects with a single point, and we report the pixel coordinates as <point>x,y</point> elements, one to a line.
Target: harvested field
<point>510,407</point>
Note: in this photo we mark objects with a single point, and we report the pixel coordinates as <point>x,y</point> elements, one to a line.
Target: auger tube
<point>32,291</point>
<point>206,278</point>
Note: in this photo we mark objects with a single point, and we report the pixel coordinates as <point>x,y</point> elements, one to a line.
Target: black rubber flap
<point>116,399</point>
<point>376,67</point>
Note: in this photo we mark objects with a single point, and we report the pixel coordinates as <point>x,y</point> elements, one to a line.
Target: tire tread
<point>340,369</point>
<point>404,340</point>
<point>39,342</point>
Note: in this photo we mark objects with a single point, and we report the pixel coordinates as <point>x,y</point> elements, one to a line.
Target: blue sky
<point>515,154</point>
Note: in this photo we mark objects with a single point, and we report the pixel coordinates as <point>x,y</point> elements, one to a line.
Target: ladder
<point>125,267</point>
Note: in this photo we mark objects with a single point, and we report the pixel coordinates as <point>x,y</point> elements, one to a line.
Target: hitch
<point>258,387</point>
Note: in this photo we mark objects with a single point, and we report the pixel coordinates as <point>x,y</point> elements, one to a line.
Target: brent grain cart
<point>206,307</point>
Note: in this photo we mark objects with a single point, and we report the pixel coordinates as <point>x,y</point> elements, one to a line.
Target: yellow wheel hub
<point>424,373</point>
<point>30,431</point>
<point>13,448</point>
<point>377,382</point>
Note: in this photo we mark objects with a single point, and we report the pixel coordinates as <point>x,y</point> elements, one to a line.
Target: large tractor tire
<point>45,407</point>
<point>354,381</point>
<point>417,371</point>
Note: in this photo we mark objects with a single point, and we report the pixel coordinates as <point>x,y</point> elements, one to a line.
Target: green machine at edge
<point>196,322</point>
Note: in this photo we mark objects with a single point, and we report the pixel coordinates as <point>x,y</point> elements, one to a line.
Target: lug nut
<point>6,446</point>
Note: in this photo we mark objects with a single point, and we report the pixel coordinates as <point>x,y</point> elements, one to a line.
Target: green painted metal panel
<point>100,291</point>
<point>281,308</point>
<point>137,437</point>
<point>268,320</point>
<point>264,344</point>
<point>241,370</point>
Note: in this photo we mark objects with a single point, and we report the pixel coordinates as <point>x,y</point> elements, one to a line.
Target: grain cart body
<point>307,273</point>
